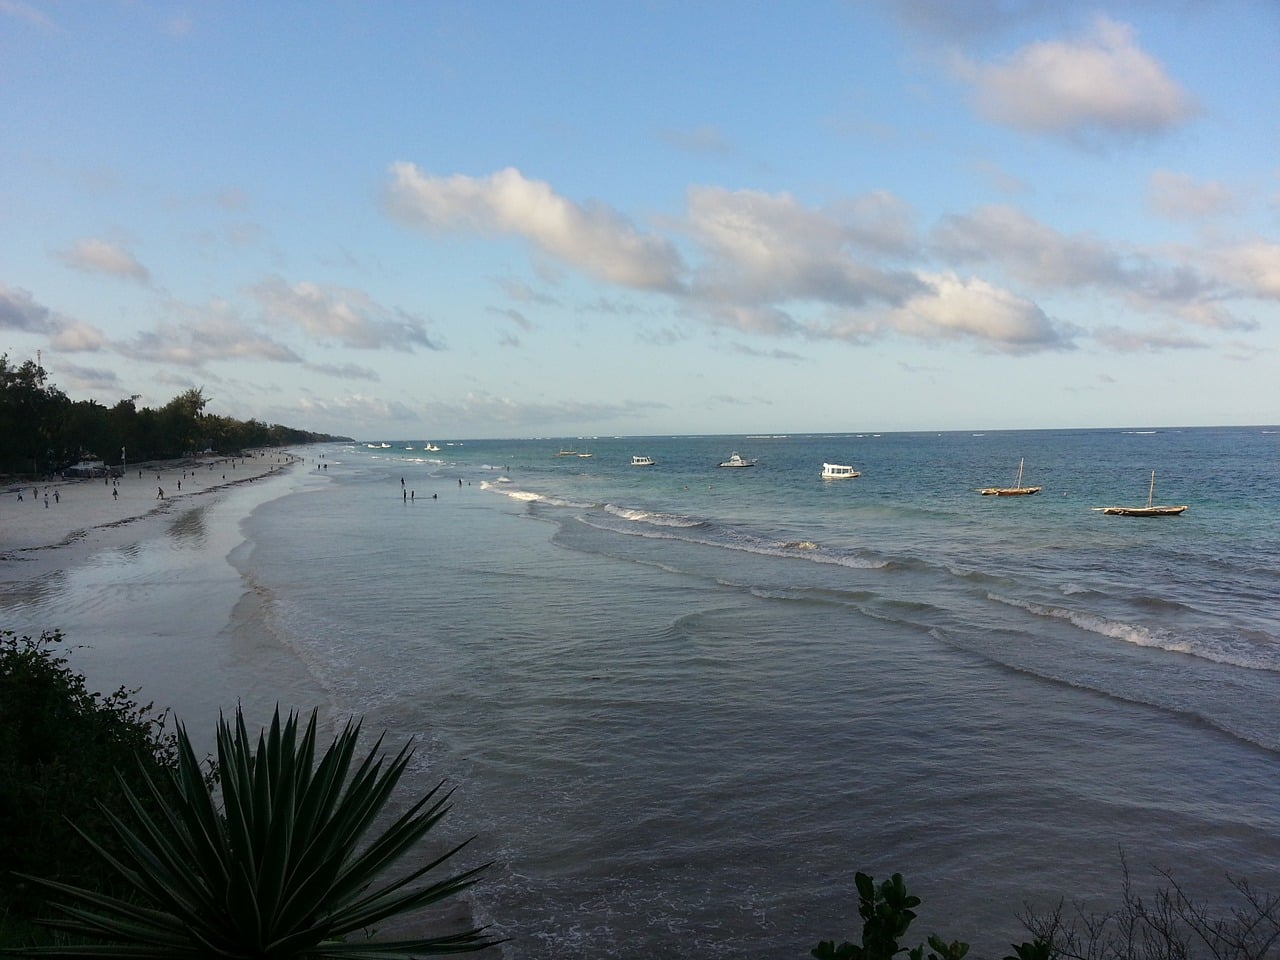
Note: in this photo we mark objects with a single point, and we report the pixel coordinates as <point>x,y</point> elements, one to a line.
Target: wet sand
<point>54,519</point>
<point>145,591</point>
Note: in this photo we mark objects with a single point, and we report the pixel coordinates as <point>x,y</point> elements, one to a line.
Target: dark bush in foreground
<point>281,868</point>
<point>1168,925</point>
<point>63,751</point>
<point>887,912</point>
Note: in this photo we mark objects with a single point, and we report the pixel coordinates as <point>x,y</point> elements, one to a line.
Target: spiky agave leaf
<point>281,870</point>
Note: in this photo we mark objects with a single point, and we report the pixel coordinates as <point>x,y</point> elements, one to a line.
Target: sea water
<point>681,705</point>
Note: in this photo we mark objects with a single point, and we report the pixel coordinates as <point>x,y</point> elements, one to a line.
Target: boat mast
<point>1018,485</point>
<point>1151,492</point>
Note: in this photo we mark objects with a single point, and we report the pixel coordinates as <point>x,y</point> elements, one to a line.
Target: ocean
<point>680,706</point>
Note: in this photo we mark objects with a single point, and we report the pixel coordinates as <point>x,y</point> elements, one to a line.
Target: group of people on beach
<point>35,495</point>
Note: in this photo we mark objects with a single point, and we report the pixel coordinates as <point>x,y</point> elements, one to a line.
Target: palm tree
<point>280,871</point>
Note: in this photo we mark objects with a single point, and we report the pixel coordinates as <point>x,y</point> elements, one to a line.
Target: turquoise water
<point>682,705</point>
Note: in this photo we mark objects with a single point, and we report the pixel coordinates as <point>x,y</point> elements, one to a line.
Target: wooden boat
<point>1017,490</point>
<point>1149,510</point>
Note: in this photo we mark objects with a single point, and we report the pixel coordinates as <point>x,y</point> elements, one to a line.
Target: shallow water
<point>682,705</point>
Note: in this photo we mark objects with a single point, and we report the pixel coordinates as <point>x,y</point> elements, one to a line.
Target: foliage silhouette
<point>281,869</point>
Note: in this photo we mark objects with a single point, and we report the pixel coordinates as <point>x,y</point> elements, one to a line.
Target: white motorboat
<point>837,471</point>
<point>642,461</point>
<point>736,460</point>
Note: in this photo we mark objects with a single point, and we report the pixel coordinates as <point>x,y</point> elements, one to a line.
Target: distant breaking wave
<point>1143,637</point>
<point>528,496</point>
<point>657,519</point>
<point>659,526</point>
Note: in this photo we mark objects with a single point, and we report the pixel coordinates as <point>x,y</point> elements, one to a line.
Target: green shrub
<point>887,911</point>
<point>60,749</point>
<point>280,868</point>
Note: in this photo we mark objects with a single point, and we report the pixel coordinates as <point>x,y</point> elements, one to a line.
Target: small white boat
<point>642,461</point>
<point>838,471</point>
<point>585,456</point>
<point>432,447</point>
<point>735,460</point>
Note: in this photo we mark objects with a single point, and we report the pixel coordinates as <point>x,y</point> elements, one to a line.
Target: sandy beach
<point>52,519</point>
<point>144,588</point>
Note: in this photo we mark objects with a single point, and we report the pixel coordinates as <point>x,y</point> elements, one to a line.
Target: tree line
<point>44,431</point>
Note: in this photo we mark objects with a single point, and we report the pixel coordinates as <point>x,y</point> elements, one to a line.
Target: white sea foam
<point>525,495</point>
<point>648,516</point>
<point>1144,636</point>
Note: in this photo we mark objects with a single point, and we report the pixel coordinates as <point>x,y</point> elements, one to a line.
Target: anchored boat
<point>1017,490</point>
<point>1149,510</point>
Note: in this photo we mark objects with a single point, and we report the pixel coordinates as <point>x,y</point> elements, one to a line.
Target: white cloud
<point>76,337</point>
<point>213,333</point>
<point>345,371</point>
<point>1135,341</point>
<point>1102,84</point>
<point>359,410</point>
<point>972,309</point>
<point>349,317</point>
<point>1028,249</point>
<point>1253,267</point>
<point>90,378</point>
<point>593,238</point>
<point>102,256</point>
<point>1030,252</point>
<point>1177,196</point>
<point>20,311</point>
<point>768,247</point>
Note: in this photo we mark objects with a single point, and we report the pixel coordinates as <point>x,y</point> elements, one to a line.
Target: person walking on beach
<point>159,493</point>
<point>115,494</point>
<point>56,497</point>
<point>46,501</point>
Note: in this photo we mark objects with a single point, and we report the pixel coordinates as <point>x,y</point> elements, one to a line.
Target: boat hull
<point>1009,491</point>
<point>1145,511</point>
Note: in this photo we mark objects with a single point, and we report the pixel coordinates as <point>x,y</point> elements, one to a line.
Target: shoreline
<point>145,590</point>
<point>56,514</point>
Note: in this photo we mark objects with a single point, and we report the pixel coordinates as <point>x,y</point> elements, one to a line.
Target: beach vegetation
<point>887,911</point>
<point>1167,924</point>
<point>45,430</point>
<point>276,862</point>
<point>66,755</point>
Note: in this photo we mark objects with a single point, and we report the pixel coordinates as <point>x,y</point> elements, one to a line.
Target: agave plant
<point>282,870</point>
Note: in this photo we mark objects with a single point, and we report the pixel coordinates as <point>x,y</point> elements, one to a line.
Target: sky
<point>434,220</point>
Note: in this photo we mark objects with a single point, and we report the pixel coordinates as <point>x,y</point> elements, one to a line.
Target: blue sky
<point>497,219</point>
